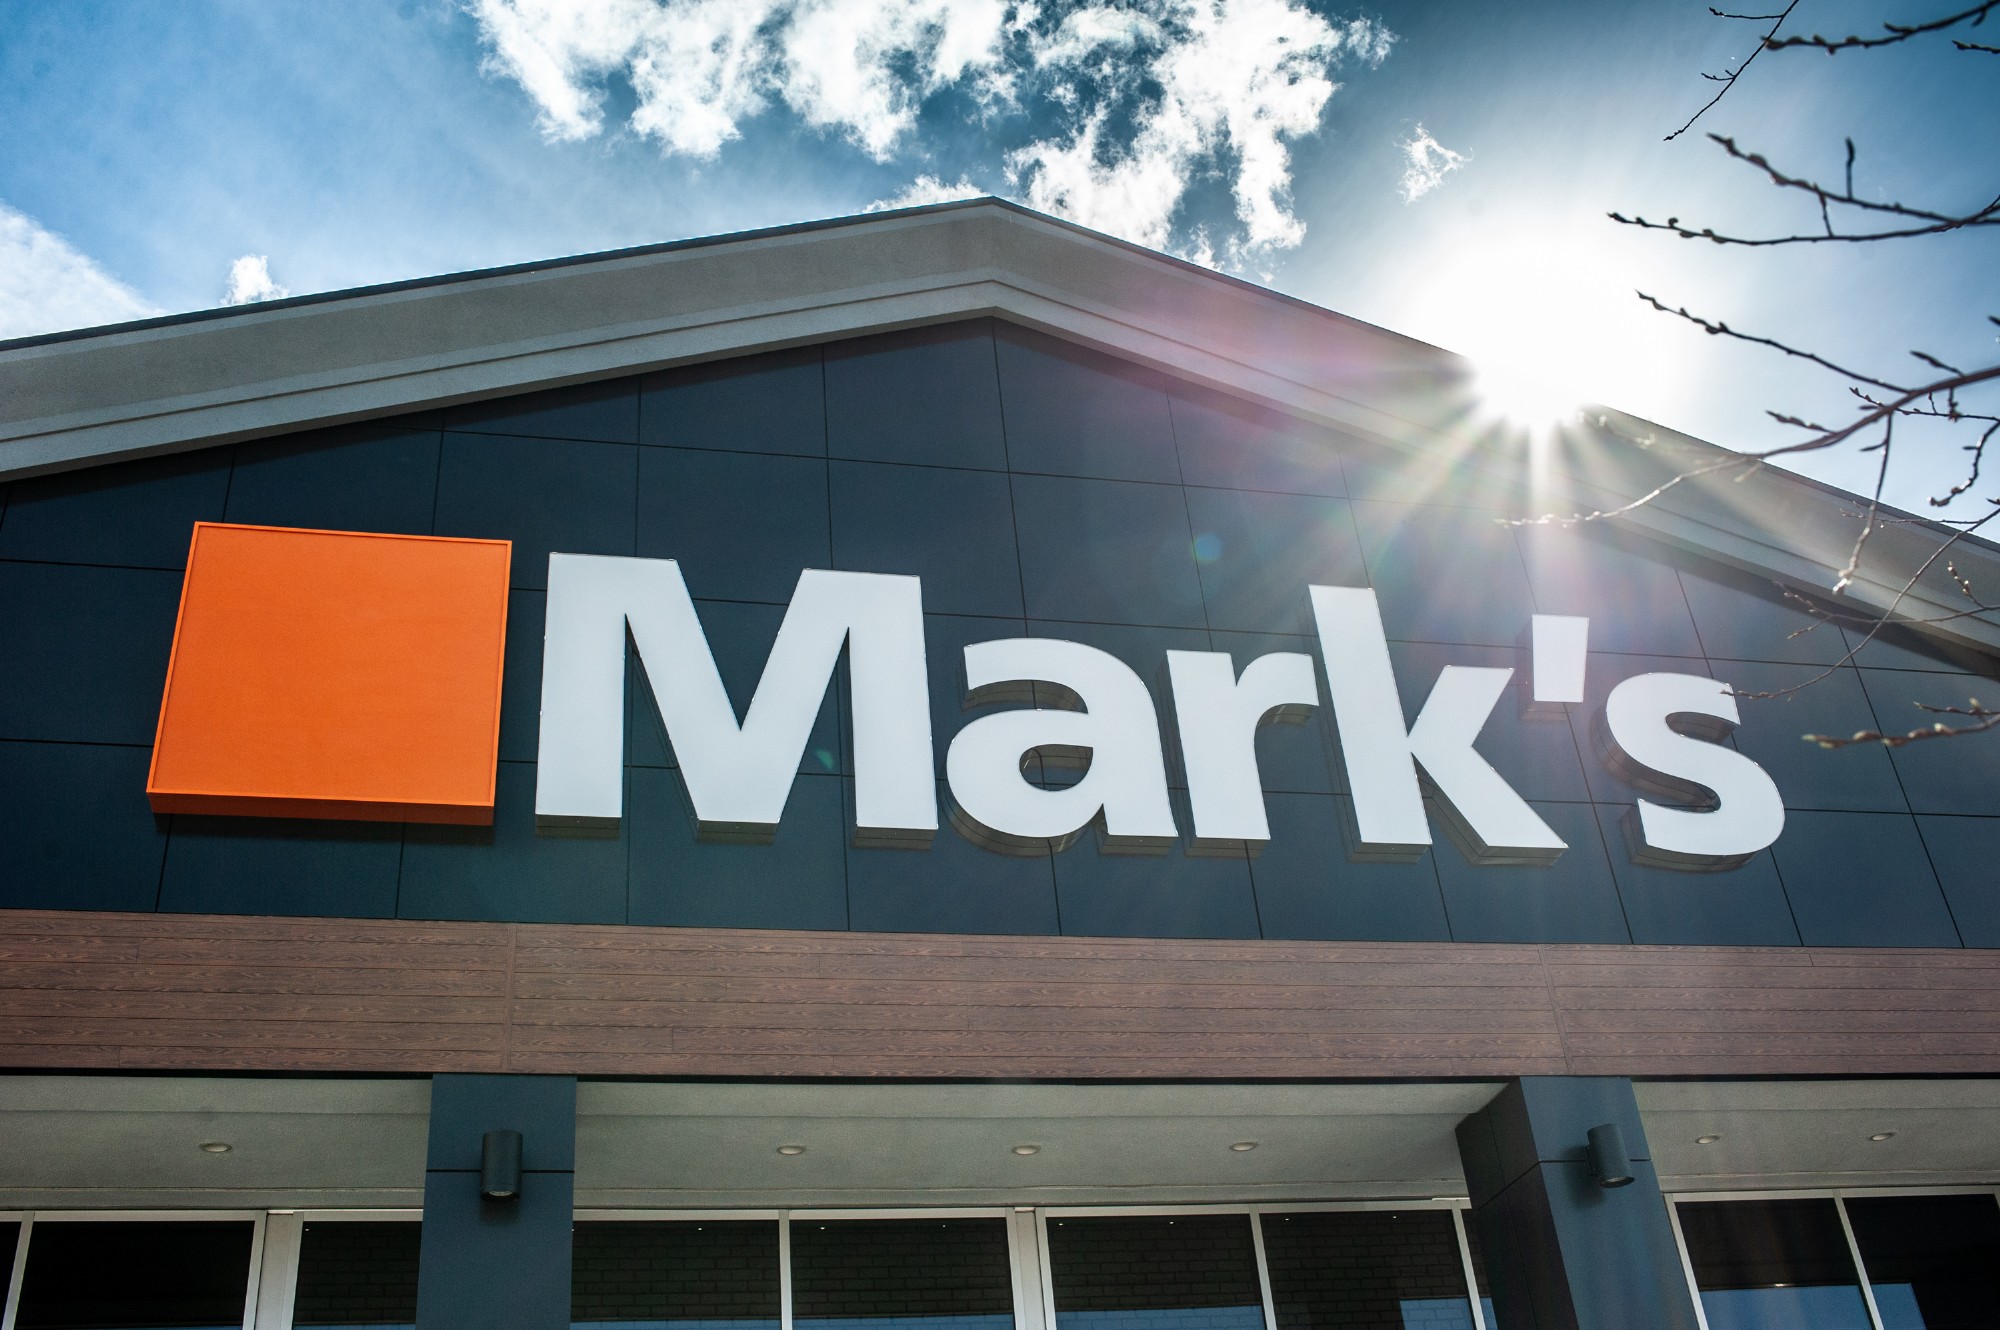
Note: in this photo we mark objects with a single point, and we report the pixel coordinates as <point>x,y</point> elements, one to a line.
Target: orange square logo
<point>334,674</point>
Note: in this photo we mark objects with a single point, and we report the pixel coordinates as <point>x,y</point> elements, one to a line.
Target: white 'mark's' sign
<point>1084,707</point>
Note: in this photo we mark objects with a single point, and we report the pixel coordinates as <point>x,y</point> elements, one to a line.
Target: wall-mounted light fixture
<point>1610,1165</point>
<point>500,1165</point>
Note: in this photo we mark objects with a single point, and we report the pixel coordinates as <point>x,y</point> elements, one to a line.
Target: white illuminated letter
<point>737,775</point>
<point>1559,647</point>
<point>1749,812</point>
<point>1127,780</point>
<point>1489,818</point>
<point>1217,714</point>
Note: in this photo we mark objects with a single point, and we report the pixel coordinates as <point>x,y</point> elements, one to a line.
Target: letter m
<point>738,774</point>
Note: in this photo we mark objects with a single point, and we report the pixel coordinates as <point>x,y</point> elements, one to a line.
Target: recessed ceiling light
<point>1709,1139</point>
<point>1242,1146</point>
<point>1027,1149</point>
<point>791,1149</point>
<point>1881,1135</point>
<point>216,1147</point>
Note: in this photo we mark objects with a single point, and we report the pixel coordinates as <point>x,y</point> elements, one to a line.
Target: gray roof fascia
<point>167,385</point>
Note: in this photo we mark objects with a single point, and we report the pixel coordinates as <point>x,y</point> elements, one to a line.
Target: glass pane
<point>688,1276</point>
<point>1189,1272</point>
<point>92,1276</point>
<point>1772,1265</point>
<point>10,1238</point>
<point>353,1274</point>
<point>902,1274</point>
<point>1366,1270</point>
<point>1933,1261</point>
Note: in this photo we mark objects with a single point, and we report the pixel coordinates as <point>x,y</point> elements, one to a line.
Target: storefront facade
<point>942,766</point>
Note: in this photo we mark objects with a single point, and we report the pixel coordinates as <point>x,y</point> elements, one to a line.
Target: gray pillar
<point>498,1263</point>
<point>1563,1253</point>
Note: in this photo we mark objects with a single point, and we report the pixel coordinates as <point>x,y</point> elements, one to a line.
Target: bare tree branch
<point>1875,622</point>
<point>1984,718</point>
<point>1716,328</point>
<point>1938,222</point>
<point>1978,451</point>
<point>1728,80</point>
<point>1894,32</point>
<point>1882,402</point>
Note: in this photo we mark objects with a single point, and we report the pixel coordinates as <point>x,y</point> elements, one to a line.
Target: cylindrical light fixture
<point>500,1165</point>
<point>1610,1165</point>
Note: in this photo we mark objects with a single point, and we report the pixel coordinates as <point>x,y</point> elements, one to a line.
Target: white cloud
<point>928,189</point>
<point>701,67</point>
<point>697,70</point>
<point>1236,76</point>
<point>559,51</point>
<point>47,286</point>
<point>1428,163</point>
<point>250,281</point>
<point>847,64</point>
<point>1148,96</point>
<point>1091,31</point>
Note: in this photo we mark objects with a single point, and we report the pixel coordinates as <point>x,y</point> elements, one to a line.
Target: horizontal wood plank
<point>225,993</point>
<point>960,1016</point>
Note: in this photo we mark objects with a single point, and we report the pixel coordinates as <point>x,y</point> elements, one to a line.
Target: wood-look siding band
<point>222,993</point>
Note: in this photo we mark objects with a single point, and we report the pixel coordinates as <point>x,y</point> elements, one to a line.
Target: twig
<point>1876,622</point>
<point>1716,328</point>
<point>1897,32</point>
<point>1938,222</point>
<point>1978,451</point>
<point>1985,718</point>
<point>1728,81</point>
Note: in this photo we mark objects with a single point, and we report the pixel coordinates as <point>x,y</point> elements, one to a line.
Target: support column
<point>485,1262</point>
<point>1563,1252</point>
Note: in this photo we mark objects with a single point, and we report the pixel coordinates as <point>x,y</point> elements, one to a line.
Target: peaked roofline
<point>211,377</point>
<point>657,247</point>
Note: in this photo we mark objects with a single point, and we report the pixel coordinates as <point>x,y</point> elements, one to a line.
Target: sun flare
<point>1545,319</point>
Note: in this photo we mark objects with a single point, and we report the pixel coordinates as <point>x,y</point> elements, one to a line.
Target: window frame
<point>272,1278</point>
<point>1027,1234</point>
<point>284,1234</point>
<point>784,1217</point>
<point>1457,1206</point>
<point>1838,1195</point>
<point>29,1218</point>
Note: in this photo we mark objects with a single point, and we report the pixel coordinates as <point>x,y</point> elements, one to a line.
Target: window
<point>902,1274</point>
<point>1933,1262</point>
<point>1930,1262</point>
<point>709,1275</point>
<point>1773,1263</point>
<point>1366,1270</point>
<point>1190,1272</point>
<point>10,1239</point>
<point>355,1274</point>
<point>1338,1267</point>
<point>110,1275</point>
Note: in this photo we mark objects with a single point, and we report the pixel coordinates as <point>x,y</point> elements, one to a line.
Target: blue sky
<point>148,149</point>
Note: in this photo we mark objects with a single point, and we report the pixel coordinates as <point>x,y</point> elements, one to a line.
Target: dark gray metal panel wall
<point>492,1263</point>
<point>1039,490</point>
<point>1561,1252</point>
